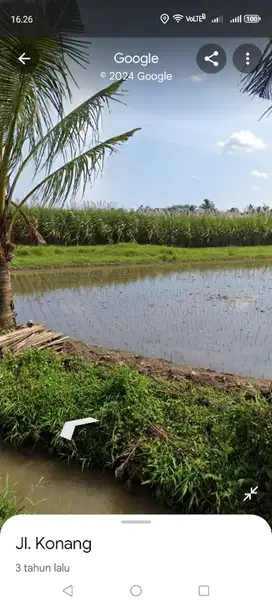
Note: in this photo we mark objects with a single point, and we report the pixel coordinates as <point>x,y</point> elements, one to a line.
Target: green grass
<point>198,448</point>
<point>11,502</point>
<point>27,256</point>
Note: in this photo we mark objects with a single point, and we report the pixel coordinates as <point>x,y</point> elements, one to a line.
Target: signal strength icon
<point>219,19</point>
<point>237,19</point>
<point>177,17</point>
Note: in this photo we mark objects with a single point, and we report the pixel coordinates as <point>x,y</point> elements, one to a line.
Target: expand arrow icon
<point>24,58</point>
<point>69,427</point>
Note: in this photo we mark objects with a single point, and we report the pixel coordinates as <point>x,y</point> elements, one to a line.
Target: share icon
<point>211,58</point>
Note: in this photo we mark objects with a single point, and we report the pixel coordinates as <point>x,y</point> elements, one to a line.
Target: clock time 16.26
<point>22,19</point>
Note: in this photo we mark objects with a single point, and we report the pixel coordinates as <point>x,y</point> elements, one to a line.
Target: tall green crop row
<point>110,226</point>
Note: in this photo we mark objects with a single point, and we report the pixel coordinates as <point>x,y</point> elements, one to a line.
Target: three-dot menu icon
<point>246,57</point>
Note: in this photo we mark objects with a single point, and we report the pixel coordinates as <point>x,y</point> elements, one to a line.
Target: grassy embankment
<point>198,448</point>
<point>99,236</point>
<point>50,256</point>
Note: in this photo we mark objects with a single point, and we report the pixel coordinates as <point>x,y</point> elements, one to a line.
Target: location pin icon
<point>164,18</point>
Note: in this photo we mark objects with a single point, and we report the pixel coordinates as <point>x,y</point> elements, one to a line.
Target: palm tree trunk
<point>7,314</point>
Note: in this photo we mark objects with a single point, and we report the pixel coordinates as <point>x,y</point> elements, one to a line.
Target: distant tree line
<point>208,206</point>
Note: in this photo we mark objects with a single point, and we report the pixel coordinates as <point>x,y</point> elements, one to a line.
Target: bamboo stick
<point>54,343</point>
<point>17,335</point>
<point>37,340</point>
<point>31,336</point>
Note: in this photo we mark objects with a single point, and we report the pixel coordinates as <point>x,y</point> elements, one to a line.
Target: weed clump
<point>11,503</point>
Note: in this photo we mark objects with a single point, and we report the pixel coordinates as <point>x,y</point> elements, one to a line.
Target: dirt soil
<point>91,265</point>
<point>164,369</point>
<point>175,263</point>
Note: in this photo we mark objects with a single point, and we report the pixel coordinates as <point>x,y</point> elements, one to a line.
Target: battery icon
<point>252,18</point>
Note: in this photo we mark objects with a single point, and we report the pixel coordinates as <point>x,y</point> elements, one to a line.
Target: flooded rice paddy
<point>218,318</point>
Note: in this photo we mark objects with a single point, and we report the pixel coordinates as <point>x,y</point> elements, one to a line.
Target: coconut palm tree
<point>250,209</point>
<point>189,208</point>
<point>207,205</point>
<point>234,210</point>
<point>62,150</point>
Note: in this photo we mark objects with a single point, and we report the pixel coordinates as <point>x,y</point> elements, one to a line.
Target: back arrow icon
<point>23,58</point>
<point>69,590</point>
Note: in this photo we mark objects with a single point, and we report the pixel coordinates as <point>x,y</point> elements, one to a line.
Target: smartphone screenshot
<point>135,302</point>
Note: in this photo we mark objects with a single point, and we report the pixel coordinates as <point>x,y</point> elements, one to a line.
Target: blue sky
<point>200,138</point>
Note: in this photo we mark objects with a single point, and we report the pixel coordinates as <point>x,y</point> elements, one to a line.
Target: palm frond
<point>81,170</point>
<point>67,180</point>
<point>34,232</point>
<point>29,102</point>
<point>69,137</point>
<point>259,81</point>
<point>42,92</point>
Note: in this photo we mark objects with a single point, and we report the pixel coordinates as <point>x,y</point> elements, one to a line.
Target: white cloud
<point>195,177</point>
<point>196,79</point>
<point>255,187</point>
<point>243,140</point>
<point>256,173</point>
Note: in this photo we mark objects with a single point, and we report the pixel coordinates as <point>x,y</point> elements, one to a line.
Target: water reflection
<point>218,318</point>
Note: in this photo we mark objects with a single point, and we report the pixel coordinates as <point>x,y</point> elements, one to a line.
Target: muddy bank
<point>176,262</point>
<point>98,265</point>
<point>110,358</point>
<point>163,368</point>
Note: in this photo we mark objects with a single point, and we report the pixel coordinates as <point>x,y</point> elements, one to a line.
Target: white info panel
<point>127,560</point>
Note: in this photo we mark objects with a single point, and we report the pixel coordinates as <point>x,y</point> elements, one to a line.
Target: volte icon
<point>219,19</point>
